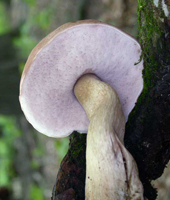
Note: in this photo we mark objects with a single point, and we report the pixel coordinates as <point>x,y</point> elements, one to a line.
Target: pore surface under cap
<point>47,96</point>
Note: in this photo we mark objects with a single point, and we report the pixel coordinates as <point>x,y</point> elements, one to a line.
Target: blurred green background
<point>29,161</point>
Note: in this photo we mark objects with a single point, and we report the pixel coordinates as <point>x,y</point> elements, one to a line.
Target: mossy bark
<point>148,129</point>
<point>71,176</point>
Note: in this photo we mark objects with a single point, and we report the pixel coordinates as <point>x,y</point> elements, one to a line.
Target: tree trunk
<point>71,175</point>
<point>148,129</point>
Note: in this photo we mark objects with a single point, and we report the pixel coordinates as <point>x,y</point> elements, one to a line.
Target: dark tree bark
<point>71,175</point>
<point>148,129</point>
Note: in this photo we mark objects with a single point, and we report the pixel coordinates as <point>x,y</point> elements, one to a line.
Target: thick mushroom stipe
<point>56,69</point>
<point>59,60</point>
<point>111,172</point>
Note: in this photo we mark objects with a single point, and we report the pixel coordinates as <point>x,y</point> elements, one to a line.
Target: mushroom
<point>96,61</point>
<point>111,172</point>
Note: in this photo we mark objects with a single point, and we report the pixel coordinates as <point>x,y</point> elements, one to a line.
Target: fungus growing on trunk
<point>56,68</point>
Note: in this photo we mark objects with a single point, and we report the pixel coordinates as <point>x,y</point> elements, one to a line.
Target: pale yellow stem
<point>111,172</point>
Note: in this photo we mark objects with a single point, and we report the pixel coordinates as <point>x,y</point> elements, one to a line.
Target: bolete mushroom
<point>96,61</point>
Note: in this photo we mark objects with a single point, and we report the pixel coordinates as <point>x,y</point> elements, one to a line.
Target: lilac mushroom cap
<point>61,58</point>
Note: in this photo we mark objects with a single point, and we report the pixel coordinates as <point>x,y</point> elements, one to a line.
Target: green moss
<point>77,146</point>
<point>150,23</point>
<point>150,30</point>
<point>149,33</point>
